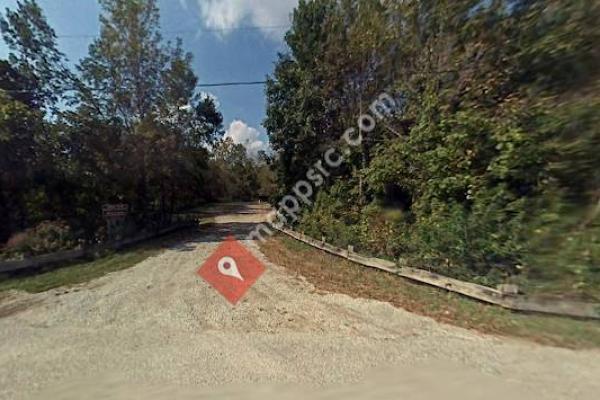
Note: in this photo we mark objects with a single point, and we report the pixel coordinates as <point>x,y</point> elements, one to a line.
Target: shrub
<point>46,237</point>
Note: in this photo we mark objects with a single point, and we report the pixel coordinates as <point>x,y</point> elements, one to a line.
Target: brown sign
<point>115,210</point>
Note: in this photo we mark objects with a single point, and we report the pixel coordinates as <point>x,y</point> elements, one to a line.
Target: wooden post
<point>508,289</point>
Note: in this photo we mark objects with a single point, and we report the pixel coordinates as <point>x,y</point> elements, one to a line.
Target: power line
<point>187,31</point>
<point>231,84</point>
<point>200,85</point>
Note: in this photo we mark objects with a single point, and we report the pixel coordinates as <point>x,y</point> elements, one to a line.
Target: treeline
<point>127,125</point>
<point>489,170</point>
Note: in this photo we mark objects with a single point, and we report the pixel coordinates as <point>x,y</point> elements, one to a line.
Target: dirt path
<point>159,324</point>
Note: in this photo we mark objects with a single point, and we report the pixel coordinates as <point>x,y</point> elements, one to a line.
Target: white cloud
<point>226,14</point>
<point>249,137</point>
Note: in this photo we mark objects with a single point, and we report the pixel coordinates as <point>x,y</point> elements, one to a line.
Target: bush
<point>46,237</point>
<point>327,219</point>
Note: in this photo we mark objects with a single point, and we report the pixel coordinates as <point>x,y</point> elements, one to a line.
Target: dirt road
<point>158,324</point>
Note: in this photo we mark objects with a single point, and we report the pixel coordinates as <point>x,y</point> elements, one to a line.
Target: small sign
<point>231,270</point>
<point>115,210</point>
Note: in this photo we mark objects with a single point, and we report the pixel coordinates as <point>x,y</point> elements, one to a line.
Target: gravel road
<point>159,324</point>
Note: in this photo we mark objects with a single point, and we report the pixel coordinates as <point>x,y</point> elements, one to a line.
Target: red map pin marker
<point>231,269</point>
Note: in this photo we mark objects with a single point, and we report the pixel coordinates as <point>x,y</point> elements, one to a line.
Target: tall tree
<point>146,89</point>
<point>34,52</point>
<point>122,73</point>
<point>493,156</point>
<point>32,81</point>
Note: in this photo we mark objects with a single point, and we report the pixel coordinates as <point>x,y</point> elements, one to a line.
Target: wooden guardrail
<point>486,294</point>
<point>92,251</point>
<point>181,220</point>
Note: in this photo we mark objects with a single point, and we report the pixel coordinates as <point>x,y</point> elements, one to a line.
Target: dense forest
<point>488,171</point>
<point>127,125</point>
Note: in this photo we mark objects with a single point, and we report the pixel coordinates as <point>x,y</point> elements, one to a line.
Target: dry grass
<point>333,274</point>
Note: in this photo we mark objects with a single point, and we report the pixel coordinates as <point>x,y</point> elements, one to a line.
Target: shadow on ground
<point>215,233</point>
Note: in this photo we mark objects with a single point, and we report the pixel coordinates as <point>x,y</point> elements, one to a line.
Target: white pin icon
<point>227,266</point>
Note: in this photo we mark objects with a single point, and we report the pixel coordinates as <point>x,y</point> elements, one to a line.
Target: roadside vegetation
<point>127,125</point>
<point>332,274</point>
<point>66,275</point>
<point>487,170</point>
<point>76,273</point>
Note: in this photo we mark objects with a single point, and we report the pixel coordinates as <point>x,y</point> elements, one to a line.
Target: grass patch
<point>333,274</point>
<point>82,271</point>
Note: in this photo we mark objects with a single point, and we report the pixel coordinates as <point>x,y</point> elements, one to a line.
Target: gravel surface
<point>158,323</point>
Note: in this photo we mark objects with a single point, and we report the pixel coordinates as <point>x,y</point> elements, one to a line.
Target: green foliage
<point>80,271</point>
<point>46,237</point>
<point>34,53</point>
<point>150,150</point>
<point>136,130</point>
<point>20,131</point>
<point>235,171</point>
<point>498,138</point>
<point>325,219</point>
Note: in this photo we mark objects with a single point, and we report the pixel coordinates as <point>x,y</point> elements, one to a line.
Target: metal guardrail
<point>511,301</point>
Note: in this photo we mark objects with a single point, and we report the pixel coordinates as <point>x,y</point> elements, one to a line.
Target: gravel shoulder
<point>158,323</point>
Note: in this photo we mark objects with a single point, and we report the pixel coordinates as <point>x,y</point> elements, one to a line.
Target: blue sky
<point>221,52</point>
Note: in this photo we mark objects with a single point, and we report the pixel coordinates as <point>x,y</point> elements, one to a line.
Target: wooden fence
<point>486,294</point>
